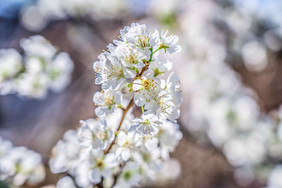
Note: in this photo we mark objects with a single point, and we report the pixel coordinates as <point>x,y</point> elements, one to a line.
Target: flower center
<point>143,41</point>
<point>148,84</point>
<point>109,100</point>
<point>131,59</point>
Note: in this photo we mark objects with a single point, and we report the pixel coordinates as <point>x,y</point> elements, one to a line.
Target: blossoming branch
<point>118,149</point>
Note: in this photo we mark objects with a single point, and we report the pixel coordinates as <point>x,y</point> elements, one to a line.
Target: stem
<point>125,110</point>
<point>130,104</point>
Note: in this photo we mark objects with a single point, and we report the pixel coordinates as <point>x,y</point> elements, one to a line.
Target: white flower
<point>65,155</point>
<point>10,63</point>
<point>95,134</point>
<point>23,165</point>
<point>146,89</point>
<point>33,85</point>
<point>107,101</point>
<point>139,35</point>
<point>167,102</point>
<point>5,146</point>
<point>111,73</point>
<point>159,67</point>
<point>131,57</point>
<point>130,176</point>
<point>6,87</point>
<point>59,71</point>
<point>148,156</point>
<point>101,165</point>
<point>38,46</point>
<point>41,69</point>
<point>274,179</point>
<point>169,43</point>
<point>65,182</point>
<point>167,172</point>
<point>169,136</point>
<point>127,142</point>
<point>146,125</point>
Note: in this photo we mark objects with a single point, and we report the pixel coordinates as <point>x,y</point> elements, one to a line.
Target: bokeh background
<point>237,43</point>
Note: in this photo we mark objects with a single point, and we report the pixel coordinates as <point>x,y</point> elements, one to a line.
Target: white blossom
<point>169,43</point>
<point>41,68</point>
<point>95,134</point>
<point>65,182</point>
<point>102,166</point>
<point>107,101</point>
<point>146,89</point>
<point>65,155</point>
<point>38,46</point>
<point>20,165</point>
<point>159,67</point>
<point>118,149</point>
<point>166,103</point>
<point>111,72</point>
<point>274,179</point>
<point>127,143</point>
<point>146,125</point>
<point>130,176</point>
<point>10,63</point>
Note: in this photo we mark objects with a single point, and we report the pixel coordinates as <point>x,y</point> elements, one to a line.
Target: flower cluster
<point>118,149</point>
<point>46,11</point>
<point>131,66</point>
<point>19,165</point>
<point>41,68</point>
<point>221,108</point>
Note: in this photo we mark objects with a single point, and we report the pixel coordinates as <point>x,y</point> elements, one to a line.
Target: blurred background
<point>230,69</point>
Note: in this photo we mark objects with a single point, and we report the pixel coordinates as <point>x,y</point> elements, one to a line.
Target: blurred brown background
<point>39,124</point>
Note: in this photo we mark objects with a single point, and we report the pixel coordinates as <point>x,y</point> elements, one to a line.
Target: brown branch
<point>125,110</point>
<point>130,104</point>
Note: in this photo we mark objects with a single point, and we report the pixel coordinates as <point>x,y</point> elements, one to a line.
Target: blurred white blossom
<point>19,165</point>
<point>41,68</point>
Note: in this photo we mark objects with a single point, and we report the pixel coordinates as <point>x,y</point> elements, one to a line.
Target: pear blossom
<point>33,85</point>
<point>139,36</point>
<point>166,103</point>
<point>39,69</point>
<point>146,89</point>
<point>146,124</point>
<point>110,71</point>
<point>159,67</point>
<point>59,71</point>
<point>274,179</point>
<point>32,45</point>
<point>102,166</point>
<point>65,182</point>
<point>10,63</point>
<point>95,134</point>
<point>19,165</point>
<point>130,176</point>
<point>131,57</point>
<point>107,101</point>
<point>118,149</point>
<point>65,154</point>
<point>169,135</point>
<point>127,143</point>
<point>169,43</point>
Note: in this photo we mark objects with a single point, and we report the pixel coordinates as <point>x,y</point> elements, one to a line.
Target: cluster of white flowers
<point>41,68</point>
<point>19,165</point>
<point>220,106</point>
<point>117,149</point>
<point>36,16</point>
